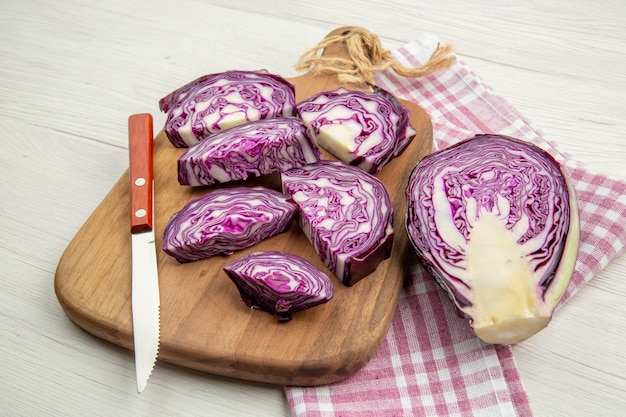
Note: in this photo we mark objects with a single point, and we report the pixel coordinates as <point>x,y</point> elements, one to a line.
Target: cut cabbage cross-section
<point>280,283</point>
<point>364,129</point>
<point>250,150</point>
<point>216,102</point>
<point>226,220</point>
<point>495,220</point>
<point>345,213</point>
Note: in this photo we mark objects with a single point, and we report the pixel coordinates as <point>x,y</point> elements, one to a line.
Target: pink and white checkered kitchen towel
<point>431,364</point>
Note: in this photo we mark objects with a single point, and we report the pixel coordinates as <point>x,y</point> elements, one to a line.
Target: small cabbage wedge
<point>345,213</point>
<point>280,283</point>
<point>364,129</point>
<point>226,220</point>
<point>249,150</point>
<point>216,102</point>
<point>495,220</point>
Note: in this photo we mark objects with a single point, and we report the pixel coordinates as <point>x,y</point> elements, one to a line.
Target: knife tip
<point>141,386</point>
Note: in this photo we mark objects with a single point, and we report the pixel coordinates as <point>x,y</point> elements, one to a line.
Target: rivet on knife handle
<point>141,174</point>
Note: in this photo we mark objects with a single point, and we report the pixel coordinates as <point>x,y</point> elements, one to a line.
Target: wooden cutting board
<point>204,323</point>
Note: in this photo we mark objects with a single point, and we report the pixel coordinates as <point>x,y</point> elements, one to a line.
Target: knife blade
<point>145,282</point>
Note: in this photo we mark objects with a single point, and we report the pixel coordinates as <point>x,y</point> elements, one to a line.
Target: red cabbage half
<point>216,102</point>
<point>345,213</point>
<point>226,220</point>
<point>280,283</point>
<point>495,220</point>
<point>364,129</point>
<point>250,150</point>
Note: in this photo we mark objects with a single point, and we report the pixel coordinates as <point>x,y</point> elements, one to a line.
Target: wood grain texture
<point>204,324</point>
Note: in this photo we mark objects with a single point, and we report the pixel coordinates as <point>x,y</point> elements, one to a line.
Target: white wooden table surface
<point>72,71</point>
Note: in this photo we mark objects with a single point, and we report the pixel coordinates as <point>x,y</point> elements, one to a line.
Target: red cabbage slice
<point>249,150</point>
<point>365,129</point>
<point>216,102</point>
<point>347,215</point>
<point>495,220</point>
<point>226,220</point>
<point>279,282</point>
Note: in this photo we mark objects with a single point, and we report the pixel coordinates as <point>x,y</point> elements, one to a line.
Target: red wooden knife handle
<point>140,149</point>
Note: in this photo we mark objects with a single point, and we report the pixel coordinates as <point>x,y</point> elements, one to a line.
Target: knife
<point>145,278</point>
